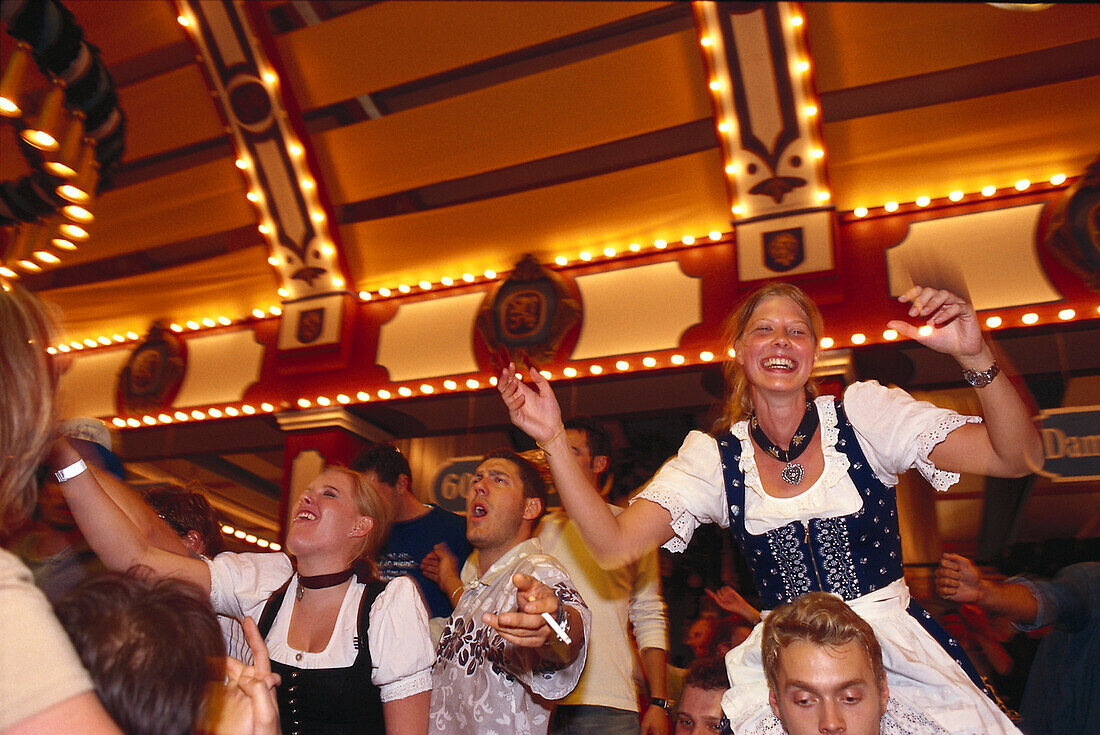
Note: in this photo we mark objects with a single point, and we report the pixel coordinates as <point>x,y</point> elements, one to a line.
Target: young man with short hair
<point>700,708</point>
<point>825,673</point>
<point>499,659</point>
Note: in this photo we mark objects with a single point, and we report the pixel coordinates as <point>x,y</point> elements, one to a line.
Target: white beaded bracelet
<point>67,473</point>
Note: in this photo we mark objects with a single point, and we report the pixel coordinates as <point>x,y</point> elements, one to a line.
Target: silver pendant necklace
<point>793,472</point>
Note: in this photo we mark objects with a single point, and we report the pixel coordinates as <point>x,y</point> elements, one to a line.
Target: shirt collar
<point>514,554</point>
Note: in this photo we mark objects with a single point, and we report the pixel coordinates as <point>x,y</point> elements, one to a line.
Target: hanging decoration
<point>71,135</point>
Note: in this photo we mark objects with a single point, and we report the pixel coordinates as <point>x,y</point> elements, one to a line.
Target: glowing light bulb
<point>988,191</point>
<point>890,335</point>
<point>383,394</point>
<point>676,359</point>
<point>595,369</point>
<point>923,201</point>
<point>706,355</point>
<point>585,256</point>
<point>561,260</point>
<point>890,206</point>
<point>1029,318</point>
<point>925,330</point>
<point>569,372</point>
<point>1022,184</point>
<point>715,235</point>
<point>472,384</point>
<point>1066,314</point>
<point>649,361</point>
<point>609,252</point>
<point>688,240</point>
<point>404,391</point>
<point>826,343</point>
<point>993,322</point>
<point>622,365</point>
<point>1058,179</point>
<point>860,211</point>
<point>955,196</point>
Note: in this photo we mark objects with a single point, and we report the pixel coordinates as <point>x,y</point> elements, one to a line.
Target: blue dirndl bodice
<point>851,555</point>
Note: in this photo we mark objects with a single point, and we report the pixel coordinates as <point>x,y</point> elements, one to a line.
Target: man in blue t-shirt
<point>416,528</point>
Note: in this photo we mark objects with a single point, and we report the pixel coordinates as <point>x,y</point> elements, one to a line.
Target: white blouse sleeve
<point>240,584</point>
<point>897,432</point>
<point>401,648</point>
<point>691,488</point>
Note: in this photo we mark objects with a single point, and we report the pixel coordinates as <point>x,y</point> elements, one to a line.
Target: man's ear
<point>532,509</point>
<point>403,482</point>
<point>774,703</point>
<point>362,526</point>
<point>193,540</point>
<point>885,693</point>
<point>600,464</point>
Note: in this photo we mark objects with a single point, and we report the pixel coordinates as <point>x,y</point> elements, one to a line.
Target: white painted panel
<point>429,338</point>
<point>88,387</point>
<point>636,310</point>
<point>220,367</point>
<point>992,253</point>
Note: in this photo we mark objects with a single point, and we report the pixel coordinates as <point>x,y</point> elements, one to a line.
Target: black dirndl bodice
<point>851,555</point>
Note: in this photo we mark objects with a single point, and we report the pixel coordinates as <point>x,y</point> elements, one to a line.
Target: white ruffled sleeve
<point>897,432</point>
<point>401,648</point>
<point>240,584</point>
<point>691,488</point>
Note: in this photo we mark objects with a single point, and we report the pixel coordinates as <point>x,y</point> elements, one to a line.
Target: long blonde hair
<point>738,402</point>
<point>27,384</point>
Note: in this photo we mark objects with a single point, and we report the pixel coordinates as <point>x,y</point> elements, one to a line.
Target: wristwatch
<point>662,703</point>
<point>982,378</point>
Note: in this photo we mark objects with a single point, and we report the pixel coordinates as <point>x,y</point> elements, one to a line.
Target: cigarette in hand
<point>558,630</point>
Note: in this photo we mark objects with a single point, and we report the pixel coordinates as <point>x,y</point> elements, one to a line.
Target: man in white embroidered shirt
<point>499,657</point>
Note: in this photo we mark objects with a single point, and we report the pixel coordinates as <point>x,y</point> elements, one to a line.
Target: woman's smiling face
<point>778,347</point>
<point>326,516</point>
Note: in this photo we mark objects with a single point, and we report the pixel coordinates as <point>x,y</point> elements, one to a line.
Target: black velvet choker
<point>793,473</point>
<point>321,581</point>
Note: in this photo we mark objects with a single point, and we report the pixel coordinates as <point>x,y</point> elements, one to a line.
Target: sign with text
<point>1071,443</point>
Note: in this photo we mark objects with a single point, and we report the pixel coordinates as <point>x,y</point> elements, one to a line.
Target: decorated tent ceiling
<point>453,137</point>
<point>443,139</point>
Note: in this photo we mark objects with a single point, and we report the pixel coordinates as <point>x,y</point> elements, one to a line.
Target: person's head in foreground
<point>824,667</point>
<point>128,631</point>
<point>27,382</point>
<point>700,709</point>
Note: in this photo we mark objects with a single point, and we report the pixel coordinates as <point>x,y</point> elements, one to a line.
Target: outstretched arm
<point>110,532</point>
<point>613,540</point>
<point>1007,444</point>
<point>527,628</point>
<point>958,579</point>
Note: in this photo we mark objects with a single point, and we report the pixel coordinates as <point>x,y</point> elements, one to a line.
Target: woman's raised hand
<point>534,409</point>
<point>954,327</point>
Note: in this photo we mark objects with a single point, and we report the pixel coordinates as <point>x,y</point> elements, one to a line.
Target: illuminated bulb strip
<point>250,538</point>
<point>620,365</point>
<point>958,195</point>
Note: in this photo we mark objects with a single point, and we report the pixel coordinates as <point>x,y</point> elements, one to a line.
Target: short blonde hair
<point>27,384</point>
<point>738,402</point>
<point>820,618</point>
<point>369,502</point>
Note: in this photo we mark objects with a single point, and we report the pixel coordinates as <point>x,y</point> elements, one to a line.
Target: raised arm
<point>1007,444</point>
<point>114,538</point>
<point>613,540</point>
